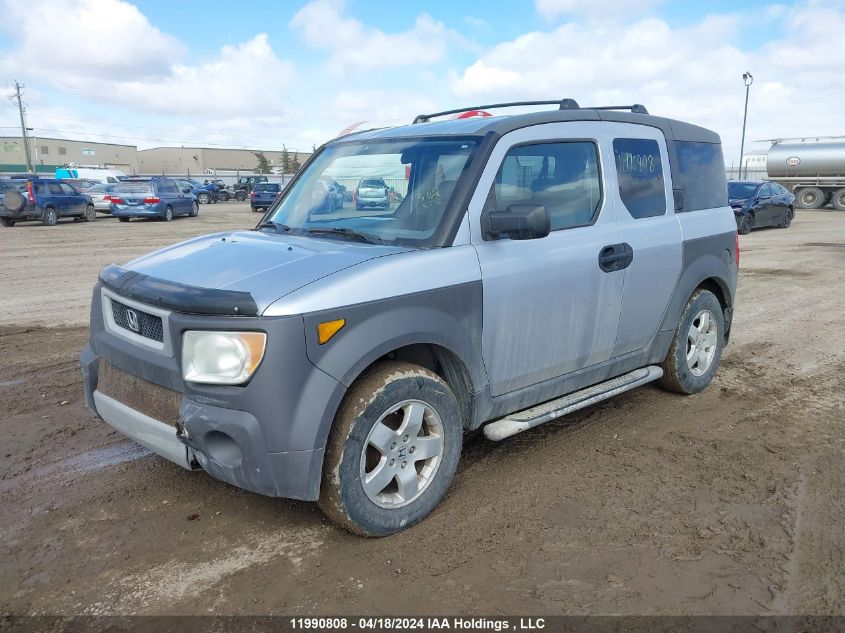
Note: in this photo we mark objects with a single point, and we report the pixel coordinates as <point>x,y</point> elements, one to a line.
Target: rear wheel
<point>124,219</point>
<point>240,196</point>
<point>223,196</point>
<point>195,209</point>
<point>697,345</point>
<point>7,222</point>
<point>839,199</point>
<point>168,214</point>
<point>90,213</point>
<point>393,450</point>
<point>50,218</point>
<point>809,198</point>
<point>745,225</point>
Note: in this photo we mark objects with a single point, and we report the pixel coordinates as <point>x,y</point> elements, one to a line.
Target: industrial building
<point>208,160</point>
<point>49,153</point>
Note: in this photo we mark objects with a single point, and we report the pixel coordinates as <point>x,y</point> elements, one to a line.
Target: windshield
<point>414,178</point>
<point>741,190</point>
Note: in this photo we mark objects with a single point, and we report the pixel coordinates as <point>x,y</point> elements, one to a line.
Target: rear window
<point>268,186</point>
<point>134,187</point>
<point>372,182</point>
<point>701,168</point>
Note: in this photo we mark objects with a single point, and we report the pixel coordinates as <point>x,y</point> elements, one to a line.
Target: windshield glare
<point>415,180</point>
<point>741,190</point>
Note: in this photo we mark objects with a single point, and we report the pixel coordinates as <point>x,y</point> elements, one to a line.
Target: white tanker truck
<point>814,168</point>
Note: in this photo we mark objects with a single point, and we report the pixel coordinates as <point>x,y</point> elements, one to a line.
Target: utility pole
<point>17,98</point>
<point>748,79</point>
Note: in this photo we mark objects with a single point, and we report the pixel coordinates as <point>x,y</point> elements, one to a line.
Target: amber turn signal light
<point>327,329</point>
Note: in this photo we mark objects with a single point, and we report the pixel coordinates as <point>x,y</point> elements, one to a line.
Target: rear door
<point>642,189</point>
<point>549,307</point>
<point>58,198</point>
<point>169,193</point>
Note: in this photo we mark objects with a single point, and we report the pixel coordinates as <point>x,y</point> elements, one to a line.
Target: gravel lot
<point>728,502</point>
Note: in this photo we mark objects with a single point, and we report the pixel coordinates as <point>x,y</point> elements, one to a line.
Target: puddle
<point>97,459</point>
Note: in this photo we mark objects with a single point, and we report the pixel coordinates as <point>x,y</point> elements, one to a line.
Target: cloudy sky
<point>264,73</point>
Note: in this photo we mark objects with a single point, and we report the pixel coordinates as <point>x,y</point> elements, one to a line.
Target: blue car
<point>263,195</point>
<point>43,199</point>
<point>152,198</point>
<point>758,203</point>
<point>206,192</point>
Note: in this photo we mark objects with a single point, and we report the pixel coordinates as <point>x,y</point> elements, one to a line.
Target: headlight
<point>221,358</point>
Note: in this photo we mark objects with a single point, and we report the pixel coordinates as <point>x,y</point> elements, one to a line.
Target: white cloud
<point>354,45</point>
<point>551,9</point>
<point>104,39</point>
<point>692,73</point>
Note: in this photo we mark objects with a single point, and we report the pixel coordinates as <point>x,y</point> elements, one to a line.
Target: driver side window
<point>563,177</point>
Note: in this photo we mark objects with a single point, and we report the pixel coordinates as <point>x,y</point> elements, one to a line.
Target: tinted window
<point>136,186</point>
<point>766,191</point>
<point>67,189</point>
<point>640,173</point>
<point>741,190</point>
<point>168,187</point>
<point>563,177</point>
<point>267,186</point>
<point>55,189</point>
<point>372,182</point>
<point>701,170</point>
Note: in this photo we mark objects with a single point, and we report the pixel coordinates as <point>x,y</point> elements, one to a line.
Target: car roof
<point>747,182</point>
<point>502,124</point>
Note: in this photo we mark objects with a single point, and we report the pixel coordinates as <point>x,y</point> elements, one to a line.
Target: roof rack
<point>563,104</point>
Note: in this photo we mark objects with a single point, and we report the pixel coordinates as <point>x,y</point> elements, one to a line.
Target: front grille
<point>149,325</point>
<point>136,393</point>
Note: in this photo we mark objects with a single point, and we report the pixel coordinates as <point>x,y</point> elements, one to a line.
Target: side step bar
<point>529,418</point>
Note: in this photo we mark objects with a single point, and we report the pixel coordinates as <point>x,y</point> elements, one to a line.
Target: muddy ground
<point>730,502</point>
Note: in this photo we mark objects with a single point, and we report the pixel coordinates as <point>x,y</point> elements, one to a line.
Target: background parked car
<point>100,196</point>
<point>757,203</point>
<point>152,198</point>
<point>81,184</point>
<point>245,185</point>
<point>44,199</point>
<point>263,195</point>
<point>372,193</point>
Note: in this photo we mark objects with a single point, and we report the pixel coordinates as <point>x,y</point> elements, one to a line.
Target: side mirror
<point>519,222</point>
<point>186,190</point>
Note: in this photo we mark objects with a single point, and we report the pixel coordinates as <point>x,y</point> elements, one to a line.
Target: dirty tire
<point>787,220</point>
<point>745,225</point>
<point>195,209</point>
<point>50,217</point>
<point>168,214</point>
<point>90,213</point>
<point>809,198</point>
<point>7,222</point>
<point>677,374</point>
<point>124,219</point>
<point>838,199</point>
<point>385,385</point>
<point>13,200</point>
<point>203,198</point>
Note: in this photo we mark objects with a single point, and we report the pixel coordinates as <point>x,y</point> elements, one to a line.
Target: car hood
<point>266,265</point>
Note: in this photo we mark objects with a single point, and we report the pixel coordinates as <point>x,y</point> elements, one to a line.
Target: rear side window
<point>701,169</point>
<point>563,177</point>
<point>55,188</point>
<point>640,173</point>
<point>168,187</point>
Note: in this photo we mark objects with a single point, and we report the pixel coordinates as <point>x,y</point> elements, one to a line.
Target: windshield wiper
<point>283,228</point>
<point>351,233</point>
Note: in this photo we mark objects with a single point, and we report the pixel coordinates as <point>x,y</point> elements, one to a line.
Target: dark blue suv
<point>152,198</point>
<point>44,199</point>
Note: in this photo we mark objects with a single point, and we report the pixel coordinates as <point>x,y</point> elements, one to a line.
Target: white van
<point>99,174</point>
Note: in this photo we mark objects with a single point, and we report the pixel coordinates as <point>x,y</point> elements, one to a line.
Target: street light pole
<point>748,79</point>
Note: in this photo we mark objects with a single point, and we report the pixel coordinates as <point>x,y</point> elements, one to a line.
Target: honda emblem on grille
<point>132,319</point>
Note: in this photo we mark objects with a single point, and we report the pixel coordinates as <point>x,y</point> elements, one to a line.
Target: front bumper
<point>268,436</point>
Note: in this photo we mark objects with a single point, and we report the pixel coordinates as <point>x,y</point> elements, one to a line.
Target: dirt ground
<point>727,502</point>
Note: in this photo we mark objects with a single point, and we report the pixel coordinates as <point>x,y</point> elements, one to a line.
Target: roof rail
<point>563,104</point>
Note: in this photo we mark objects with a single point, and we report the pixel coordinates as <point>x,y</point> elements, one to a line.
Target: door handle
<point>615,257</point>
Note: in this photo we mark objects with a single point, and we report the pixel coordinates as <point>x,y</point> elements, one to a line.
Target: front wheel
<point>203,198</point>
<point>240,196</point>
<point>393,450</point>
<point>696,348</point>
<point>745,225</point>
<point>124,219</point>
